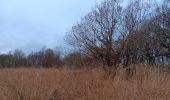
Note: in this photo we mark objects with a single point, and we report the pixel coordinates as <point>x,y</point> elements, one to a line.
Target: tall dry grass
<point>65,84</point>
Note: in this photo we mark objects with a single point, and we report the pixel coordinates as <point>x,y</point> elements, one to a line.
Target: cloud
<point>30,24</point>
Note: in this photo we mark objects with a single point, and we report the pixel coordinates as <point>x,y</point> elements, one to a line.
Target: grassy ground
<point>65,84</point>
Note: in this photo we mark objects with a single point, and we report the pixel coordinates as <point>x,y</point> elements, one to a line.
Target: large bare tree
<point>96,35</point>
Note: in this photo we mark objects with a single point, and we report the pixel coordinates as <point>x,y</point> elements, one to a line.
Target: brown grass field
<point>66,84</point>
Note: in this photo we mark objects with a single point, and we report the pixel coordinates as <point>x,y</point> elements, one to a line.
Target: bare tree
<point>19,58</point>
<point>95,34</point>
<point>132,39</point>
<point>160,31</point>
<point>45,58</point>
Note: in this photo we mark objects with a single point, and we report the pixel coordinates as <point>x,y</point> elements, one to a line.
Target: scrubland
<point>82,84</point>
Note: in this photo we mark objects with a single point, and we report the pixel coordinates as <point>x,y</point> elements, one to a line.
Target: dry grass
<point>64,84</point>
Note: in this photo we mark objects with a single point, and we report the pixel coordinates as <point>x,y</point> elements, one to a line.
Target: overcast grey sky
<point>30,24</point>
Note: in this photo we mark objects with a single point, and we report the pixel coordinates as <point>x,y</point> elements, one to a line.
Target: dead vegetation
<point>82,84</point>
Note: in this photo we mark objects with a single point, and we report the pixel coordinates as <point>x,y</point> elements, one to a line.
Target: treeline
<point>45,58</point>
<point>42,58</point>
<point>116,33</point>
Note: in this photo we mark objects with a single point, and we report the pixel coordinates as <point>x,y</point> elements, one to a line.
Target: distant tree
<point>52,58</point>
<point>36,59</point>
<point>19,58</point>
<point>45,58</point>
